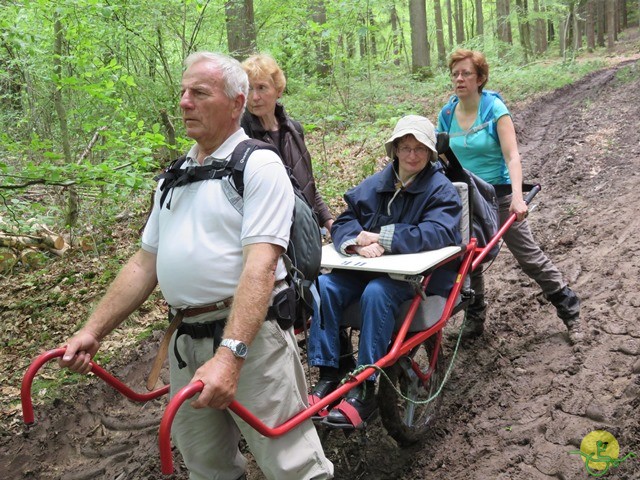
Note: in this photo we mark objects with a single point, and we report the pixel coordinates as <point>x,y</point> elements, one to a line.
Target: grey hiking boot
<point>474,318</point>
<point>567,306</point>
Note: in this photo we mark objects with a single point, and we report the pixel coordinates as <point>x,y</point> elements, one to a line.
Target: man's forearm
<point>253,294</point>
<point>129,290</point>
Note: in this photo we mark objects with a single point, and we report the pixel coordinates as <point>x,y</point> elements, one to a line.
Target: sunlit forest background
<point>90,88</point>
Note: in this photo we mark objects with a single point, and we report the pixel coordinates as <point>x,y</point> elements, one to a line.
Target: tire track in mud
<point>546,123</point>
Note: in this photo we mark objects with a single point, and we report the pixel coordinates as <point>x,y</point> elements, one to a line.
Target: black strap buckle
<point>198,331</point>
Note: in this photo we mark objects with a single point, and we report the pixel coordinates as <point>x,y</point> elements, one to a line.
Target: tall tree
<point>73,200</point>
<point>503,10</point>
<point>601,24</point>
<point>523,28</point>
<point>540,29</point>
<point>459,19</point>
<point>241,29</point>
<point>450,23</point>
<point>611,24</point>
<point>590,25</point>
<point>395,34</point>
<point>563,24</point>
<point>437,12</point>
<point>420,56</point>
<point>323,53</point>
<point>479,19</point>
<point>577,27</point>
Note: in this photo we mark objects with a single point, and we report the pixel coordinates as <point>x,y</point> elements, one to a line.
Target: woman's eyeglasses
<point>465,74</point>
<point>420,150</point>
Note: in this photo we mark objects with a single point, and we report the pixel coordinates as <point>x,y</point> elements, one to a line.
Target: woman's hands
<point>520,208</point>
<point>367,245</point>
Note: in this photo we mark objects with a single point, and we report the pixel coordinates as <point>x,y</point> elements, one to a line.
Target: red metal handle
<point>185,393</point>
<point>27,382</point>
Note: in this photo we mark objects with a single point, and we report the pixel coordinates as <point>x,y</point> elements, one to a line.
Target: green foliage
<point>628,74</point>
<point>120,68</point>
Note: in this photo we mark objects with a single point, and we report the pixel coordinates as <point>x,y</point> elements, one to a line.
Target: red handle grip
<point>27,382</point>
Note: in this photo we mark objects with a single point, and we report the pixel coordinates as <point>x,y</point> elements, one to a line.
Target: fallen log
<point>25,241</point>
<point>32,258</point>
<point>8,259</point>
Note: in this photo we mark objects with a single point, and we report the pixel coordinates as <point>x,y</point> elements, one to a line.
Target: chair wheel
<point>405,421</point>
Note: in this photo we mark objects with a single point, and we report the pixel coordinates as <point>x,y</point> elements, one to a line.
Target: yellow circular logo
<point>599,449</point>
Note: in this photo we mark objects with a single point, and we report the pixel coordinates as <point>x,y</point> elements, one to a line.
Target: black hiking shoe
<point>472,329</point>
<point>358,407</point>
<point>567,306</point>
<point>474,319</point>
<point>327,383</point>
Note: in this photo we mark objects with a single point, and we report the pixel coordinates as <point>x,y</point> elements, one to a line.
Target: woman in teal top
<point>483,137</point>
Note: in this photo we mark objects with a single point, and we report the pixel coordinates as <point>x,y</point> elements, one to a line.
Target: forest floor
<point>519,399</point>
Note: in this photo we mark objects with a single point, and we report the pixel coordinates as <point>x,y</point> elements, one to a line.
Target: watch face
<point>241,349</point>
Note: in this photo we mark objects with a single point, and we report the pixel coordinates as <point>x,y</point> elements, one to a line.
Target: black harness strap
<point>199,331</point>
<point>176,176</point>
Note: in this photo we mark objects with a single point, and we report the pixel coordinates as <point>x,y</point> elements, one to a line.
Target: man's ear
<point>238,106</point>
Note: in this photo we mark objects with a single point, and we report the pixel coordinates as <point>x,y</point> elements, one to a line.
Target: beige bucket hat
<point>420,127</point>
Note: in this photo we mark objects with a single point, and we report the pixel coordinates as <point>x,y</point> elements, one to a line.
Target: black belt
<point>504,189</point>
<point>197,331</point>
<point>214,329</point>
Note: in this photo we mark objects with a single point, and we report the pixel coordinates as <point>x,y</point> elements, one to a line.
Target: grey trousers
<point>533,261</point>
<point>273,387</point>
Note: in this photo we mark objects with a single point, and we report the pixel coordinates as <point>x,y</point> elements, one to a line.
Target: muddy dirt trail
<point>519,399</point>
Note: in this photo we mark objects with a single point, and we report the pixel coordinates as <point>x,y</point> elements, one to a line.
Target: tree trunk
<point>611,24</point>
<point>616,9</point>
<point>395,34</point>
<point>450,24</point>
<point>73,199</point>
<point>459,19</point>
<point>420,57</point>
<point>562,31</point>
<point>523,28</point>
<point>504,25</point>
<point>540,29</point>
<point>323,54</point>
<point>479,19</point>
<point>362,38</point>
<point>57,89</point>
<point>442,54</point>
<point>371,34</point>
<point>577,30</point>
<point>601,24</point>
<point>241,29</point>
<point>591,25</point>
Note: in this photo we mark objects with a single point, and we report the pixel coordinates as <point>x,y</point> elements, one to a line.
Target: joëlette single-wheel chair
<point>413,365</point>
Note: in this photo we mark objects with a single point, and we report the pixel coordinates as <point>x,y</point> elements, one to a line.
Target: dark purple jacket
<point>294,154</point>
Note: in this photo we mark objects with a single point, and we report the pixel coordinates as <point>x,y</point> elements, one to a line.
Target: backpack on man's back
<point>304,252</point>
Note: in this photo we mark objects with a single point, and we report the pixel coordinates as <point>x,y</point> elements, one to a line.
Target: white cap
<point>420,127</point>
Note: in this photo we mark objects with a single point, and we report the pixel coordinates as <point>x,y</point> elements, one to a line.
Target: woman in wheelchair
<point>408,207</point>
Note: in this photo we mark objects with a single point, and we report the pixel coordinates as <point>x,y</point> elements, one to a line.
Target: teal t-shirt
<point>479,152</point>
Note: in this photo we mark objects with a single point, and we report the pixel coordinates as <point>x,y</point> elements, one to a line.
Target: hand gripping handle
<point>27,382</point>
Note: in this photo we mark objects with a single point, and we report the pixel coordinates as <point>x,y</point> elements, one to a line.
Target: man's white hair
<point>233,75</point>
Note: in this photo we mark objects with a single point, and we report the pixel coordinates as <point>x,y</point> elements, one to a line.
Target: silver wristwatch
<point>238,348</point>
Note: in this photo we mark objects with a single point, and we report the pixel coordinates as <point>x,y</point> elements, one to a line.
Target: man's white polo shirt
<point>198,242</point>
